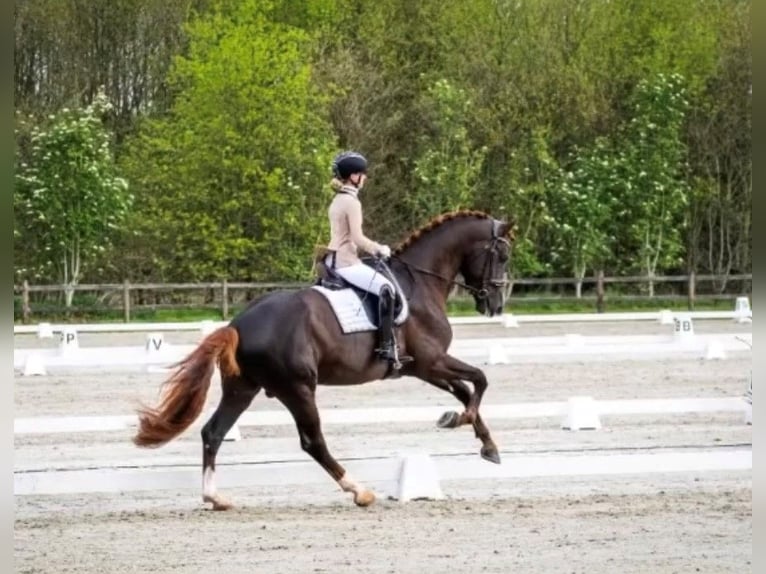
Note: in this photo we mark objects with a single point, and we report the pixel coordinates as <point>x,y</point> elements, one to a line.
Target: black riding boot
<point>387,347</point>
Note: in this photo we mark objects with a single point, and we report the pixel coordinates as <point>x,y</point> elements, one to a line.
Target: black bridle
<point>488,272</point>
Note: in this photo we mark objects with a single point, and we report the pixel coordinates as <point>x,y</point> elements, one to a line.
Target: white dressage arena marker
<point>451,468</point>
<point>582,414</point>
<point>233,434</point>
<point>206,327</point>
<point>683,329</point>
<point>509,320</point>
<point>154,342</point>
<point>666,317</point>
<point>742,311</point>
<point>497,355</point>
<point>715,350</point>
<point>34,365</point>
<point>44,331</point>
<point>419,479</point>
<point>68,340</point>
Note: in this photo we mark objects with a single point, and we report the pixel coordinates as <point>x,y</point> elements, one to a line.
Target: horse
<point>288,342</point>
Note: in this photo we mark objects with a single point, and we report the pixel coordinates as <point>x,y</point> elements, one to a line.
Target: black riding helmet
<point>348,162</point>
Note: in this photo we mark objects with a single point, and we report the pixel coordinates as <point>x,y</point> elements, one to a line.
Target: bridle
<point>488,272</point>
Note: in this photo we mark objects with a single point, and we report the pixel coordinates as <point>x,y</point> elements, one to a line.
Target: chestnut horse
<point>288,342</point>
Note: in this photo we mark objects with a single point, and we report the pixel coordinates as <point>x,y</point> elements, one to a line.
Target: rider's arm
<point>354,214</point>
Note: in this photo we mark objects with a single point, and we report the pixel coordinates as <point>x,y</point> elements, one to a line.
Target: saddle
<point>328,278</point>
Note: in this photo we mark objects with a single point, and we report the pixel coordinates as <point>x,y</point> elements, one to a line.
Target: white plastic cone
<point>497,355</point>
<point>419,479</point>
<point>742,311</point>
<point>233,434</point>
<point>666,317</point>
<point>206,327</point>
<point>44,331</point>
<point>714,350</point>
<point>582,414</point>
<point>34,365</point>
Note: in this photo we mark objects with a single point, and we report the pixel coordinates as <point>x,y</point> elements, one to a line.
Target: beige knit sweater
<point>346,235</point>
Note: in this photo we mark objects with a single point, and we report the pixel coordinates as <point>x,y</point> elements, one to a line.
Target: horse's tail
<point>185,391</point>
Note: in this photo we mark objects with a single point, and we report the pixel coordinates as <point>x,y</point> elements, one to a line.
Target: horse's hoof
<point>222,505</point>
<point>218,503</point>
<point>491,455</point>
<point>364,498</point>
<point>448,420</point>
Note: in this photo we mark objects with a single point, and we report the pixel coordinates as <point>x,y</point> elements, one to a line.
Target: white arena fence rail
<point>408,477</point>
<point>505,320</point>
<point>383,415</point>
<point>157,354</point>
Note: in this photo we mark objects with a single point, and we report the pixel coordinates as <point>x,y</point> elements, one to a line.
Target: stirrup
<point>392,355</point>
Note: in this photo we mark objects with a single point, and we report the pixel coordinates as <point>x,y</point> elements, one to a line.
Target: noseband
<point>490,263</point>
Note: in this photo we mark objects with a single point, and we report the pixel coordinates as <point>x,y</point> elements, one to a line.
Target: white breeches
<point>364,277</point>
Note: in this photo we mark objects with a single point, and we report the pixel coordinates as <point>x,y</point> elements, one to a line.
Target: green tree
<point>653,171</point>
<point>448,167</point>
<point>69,199</point>
<point>233,183</point>
<point>582,205</point>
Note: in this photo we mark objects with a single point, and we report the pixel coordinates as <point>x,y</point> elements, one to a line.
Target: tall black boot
<point>387,347</point>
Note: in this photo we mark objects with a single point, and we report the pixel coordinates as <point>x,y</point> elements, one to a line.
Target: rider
<point>346,236</point>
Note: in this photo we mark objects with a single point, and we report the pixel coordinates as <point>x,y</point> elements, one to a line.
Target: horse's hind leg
<point>300,400</point>
<point>451,419</point>
<point>237,394</point>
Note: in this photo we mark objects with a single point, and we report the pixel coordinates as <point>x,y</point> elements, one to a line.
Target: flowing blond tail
<point>186,389</point>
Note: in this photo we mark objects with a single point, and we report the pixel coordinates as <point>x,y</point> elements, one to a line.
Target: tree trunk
<point>68,294</point>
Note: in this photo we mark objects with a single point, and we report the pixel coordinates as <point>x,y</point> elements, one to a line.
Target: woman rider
<point>346,237</point>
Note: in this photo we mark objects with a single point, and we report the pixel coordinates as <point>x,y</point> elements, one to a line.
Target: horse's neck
<point>440,261</point>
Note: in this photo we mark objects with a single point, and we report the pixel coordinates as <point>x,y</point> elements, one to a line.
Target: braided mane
<point>436,222</point>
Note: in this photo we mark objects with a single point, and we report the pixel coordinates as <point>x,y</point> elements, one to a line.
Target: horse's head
<point>469,243</point>
<point>484,266</point>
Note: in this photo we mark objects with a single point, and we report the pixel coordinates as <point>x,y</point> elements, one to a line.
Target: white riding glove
<point>384,251</point>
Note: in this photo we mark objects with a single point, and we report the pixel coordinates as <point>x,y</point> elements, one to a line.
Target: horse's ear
<point>508,229</point>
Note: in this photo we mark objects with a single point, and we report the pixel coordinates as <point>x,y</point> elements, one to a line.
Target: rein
<point>410,267</point>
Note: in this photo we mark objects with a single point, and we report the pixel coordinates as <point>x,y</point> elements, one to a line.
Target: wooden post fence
<point>25,304</point>
<point>126,300</point>
<point>225,299</point>
<point>25,310</point>
<point>692,290</point>
<point>600,291</point>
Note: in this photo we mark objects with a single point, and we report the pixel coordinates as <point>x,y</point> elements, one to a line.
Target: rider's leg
<point>363,276</point>
<point>387,346</point>
<point>367,278</point>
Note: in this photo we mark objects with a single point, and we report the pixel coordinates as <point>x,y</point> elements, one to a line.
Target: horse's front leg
<point>448,374</point>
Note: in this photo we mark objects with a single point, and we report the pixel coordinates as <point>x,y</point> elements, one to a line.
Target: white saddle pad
<point>349,310</point>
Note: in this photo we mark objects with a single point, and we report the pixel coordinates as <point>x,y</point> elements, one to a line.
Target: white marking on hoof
<point>362,496</point>
<point>208,484</point>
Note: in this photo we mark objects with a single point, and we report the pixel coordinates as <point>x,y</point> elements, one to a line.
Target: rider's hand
<point>384,251</point>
